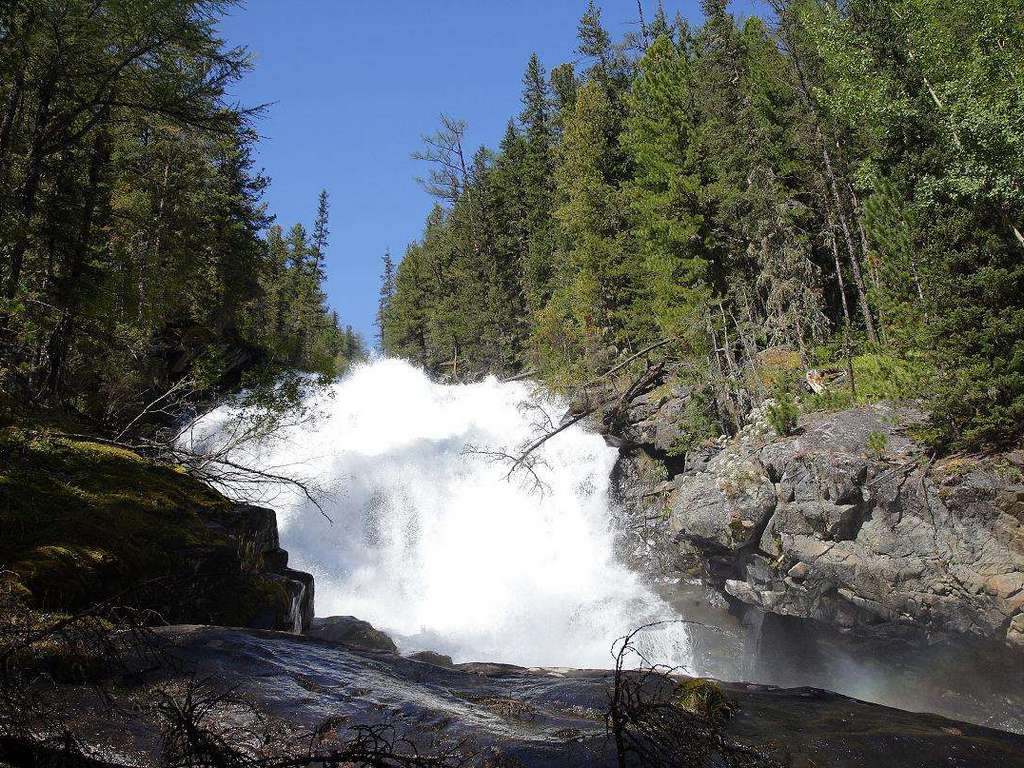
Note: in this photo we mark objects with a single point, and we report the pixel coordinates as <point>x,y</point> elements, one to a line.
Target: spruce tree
<point>318,249</point>
<point>665,193</point>
<point>387,293</point>
<point>536,180</point>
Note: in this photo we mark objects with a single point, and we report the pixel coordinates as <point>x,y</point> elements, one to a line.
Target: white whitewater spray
<point>431,544</point>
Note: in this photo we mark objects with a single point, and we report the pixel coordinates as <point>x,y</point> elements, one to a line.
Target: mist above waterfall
<point>432,544</point>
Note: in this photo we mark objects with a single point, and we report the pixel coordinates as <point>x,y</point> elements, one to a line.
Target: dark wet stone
<point>348,630</point>
<point>431,657</point>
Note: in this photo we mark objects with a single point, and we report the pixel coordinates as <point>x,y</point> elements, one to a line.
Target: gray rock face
<point>348,630</point>
<point>813,526</point>
<point>657,418</point>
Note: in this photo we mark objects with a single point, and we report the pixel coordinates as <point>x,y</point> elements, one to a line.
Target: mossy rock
<point>258,600</point>
<point>85,522</point>
<point>704,698</point>
<point>65,575</point>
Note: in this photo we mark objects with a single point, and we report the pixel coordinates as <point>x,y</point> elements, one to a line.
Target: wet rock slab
<point>542,717</point>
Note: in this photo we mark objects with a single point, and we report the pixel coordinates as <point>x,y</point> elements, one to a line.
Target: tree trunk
<point>858,279</point>
<point>867,260</point>
<point>71,290</point>
<point>846,311</point>
<point>10,117</point>
<point>31,188</point>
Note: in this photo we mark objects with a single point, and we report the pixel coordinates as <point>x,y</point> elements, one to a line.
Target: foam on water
<point>431,544</point>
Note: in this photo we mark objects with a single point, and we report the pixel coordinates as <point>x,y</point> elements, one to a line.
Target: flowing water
<point>431,543</point>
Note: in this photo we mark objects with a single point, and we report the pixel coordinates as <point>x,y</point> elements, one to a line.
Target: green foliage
<point>780,370</point>
<point>699,423</point>
<point>1007,472</point>
<point>846,199</point>
<point>783,414</point>
<point>877,376</point>
<point>665,190</point>
<point>133,257</point>
<point>877,445</point>
<point>885,377</point>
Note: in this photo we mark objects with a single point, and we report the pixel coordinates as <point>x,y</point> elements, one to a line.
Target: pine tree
<point>594,40</point>
<point>321,232</point>
<point>536,180</point>
<point>405,328</point>
<point>665,193</point>
<point>563,91</point>
<point>387,293</point>
<point>602,280</point>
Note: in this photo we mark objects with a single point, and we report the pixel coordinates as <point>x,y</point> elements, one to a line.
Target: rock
<point>351,631</point>
<point>289,607</point>
<point>500,714</point>
<point>799,571</point>
<point>726,507</point>
<point>641,523</point>
<point>120,527</point>
<point>430,657</point>
<point>1015,634</point>
<point>658,419</point>
<point>811,526</point>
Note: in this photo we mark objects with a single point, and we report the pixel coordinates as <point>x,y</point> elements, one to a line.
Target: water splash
<point>431,543</point>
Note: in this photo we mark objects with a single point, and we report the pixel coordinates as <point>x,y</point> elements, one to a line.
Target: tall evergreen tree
<point>536,178</point>
<point>387,294</point>
<point>665,192</point>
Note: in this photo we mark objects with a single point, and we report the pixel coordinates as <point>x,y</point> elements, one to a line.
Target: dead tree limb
<point>618,367</point>
<point>214,468</point>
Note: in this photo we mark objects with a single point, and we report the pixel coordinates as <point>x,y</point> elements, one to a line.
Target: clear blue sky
<point>353,84</point>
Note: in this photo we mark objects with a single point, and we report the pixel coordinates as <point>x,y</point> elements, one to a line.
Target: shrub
<point>780,370</point>
<point>704,698</point>
<point>699,423</point>
<point>885,377</point>
<point>783,414</point>
<point>878,445</point>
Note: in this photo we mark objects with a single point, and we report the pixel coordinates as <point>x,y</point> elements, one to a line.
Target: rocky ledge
<point>847,522</point>
<point>253,531</point>
<point>494,714</point>
<point>83,523</point>
<point>842,556</point>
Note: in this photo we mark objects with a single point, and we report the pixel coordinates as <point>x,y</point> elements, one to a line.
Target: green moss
<point>84,522</point>
<point>703,697</point>
<point>252,600</point>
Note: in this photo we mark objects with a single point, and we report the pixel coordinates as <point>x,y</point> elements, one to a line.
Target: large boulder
<point>353,632</point>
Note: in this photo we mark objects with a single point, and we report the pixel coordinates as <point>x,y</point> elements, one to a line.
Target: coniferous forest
<point>836,186</point>
<point>136,254</point>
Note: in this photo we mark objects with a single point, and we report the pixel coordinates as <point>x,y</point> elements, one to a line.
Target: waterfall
<point>430,542</point>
